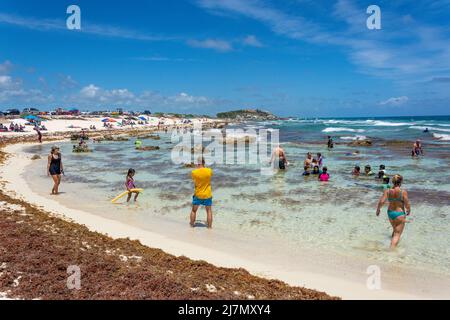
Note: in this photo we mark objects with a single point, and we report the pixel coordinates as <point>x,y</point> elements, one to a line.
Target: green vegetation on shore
<point>247,114</point>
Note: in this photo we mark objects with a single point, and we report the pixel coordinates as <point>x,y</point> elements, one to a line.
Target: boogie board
<point>125,193</point>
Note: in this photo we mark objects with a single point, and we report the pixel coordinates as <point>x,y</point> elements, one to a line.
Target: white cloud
<point>90,91</point>
<point>5,67</point>
<point>417,51</point>
<point>14,93</point>
<point>87,28</point>
<point>163,59</point>
<point>186,98</point>
<point>5,81</point>
<point>215,44</point>
<point>93,95</point>
<point>67,82</point>
<point>395,101</point>
<point>252,41</point>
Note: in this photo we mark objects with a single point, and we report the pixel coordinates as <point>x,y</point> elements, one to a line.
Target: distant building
<point>74,112</point>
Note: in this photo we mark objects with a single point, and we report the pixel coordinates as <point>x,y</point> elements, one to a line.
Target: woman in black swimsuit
<point>55,168</point>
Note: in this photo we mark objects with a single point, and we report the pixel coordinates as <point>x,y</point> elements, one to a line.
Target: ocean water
<point>338,216</point>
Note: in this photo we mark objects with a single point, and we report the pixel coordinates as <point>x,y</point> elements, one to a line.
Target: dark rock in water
<point>112,138</point>
<point>150,136</point>
<point>361,143</point>
<point>148,148</point>
<point>76,136</point>
<point>396,143</point>
<point>36,157</point>
<point>79,149</point>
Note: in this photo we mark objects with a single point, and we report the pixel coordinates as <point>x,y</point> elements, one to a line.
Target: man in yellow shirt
<point>202,195</point>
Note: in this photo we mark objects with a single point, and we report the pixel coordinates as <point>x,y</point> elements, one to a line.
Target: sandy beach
<point>337,275</point>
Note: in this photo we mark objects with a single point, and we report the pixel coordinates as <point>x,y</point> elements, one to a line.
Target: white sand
<point>330,274</point>
<point>68,125</point>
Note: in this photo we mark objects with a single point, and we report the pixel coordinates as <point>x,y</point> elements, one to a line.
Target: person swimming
<point>356,171</point>
<point>324,176</point>
<point>129,183</point>
<point>368,170</point>
<point>316,170</point>
<point>138,144</point>
<point>385,185</point>
<point>399,208</point>
<point>306,172</point>
<point>381,172</point>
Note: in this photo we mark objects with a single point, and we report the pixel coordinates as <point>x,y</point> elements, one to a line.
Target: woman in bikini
<point>55,168</point>
<point>399,208</point>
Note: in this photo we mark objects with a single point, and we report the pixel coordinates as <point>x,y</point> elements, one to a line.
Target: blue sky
<point>292,57</point>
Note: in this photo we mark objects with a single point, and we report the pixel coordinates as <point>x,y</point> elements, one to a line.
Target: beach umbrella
<point>143,118</point>
<point>32,117</point>
<point>108,120</point>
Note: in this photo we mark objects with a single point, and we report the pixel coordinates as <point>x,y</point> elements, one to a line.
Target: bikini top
<point>400,198</point>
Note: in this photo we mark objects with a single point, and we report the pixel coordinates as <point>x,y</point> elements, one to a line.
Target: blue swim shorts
<point>201,202</point>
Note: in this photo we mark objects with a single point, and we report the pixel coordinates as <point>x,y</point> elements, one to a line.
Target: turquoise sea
<point>338,216</point>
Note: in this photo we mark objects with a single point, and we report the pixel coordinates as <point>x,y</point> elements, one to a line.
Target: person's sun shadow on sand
<point>200,224</point>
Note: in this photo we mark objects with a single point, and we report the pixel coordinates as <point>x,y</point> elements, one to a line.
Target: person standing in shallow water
<point>39,134</point>
<point>417,149</point>
<point>55,168</point>
<point>330,143</point>
<point>278,153</point>
<point>399,208</point>
<point>202,193</point>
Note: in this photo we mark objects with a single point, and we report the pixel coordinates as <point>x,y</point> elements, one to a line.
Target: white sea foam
<point>348,122</point>
<point>331,129</point>
<point>442,137</point>
<point>369,123</point>
<point>354,138</point>
<point>388,124</point>
<point>429,128</point>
